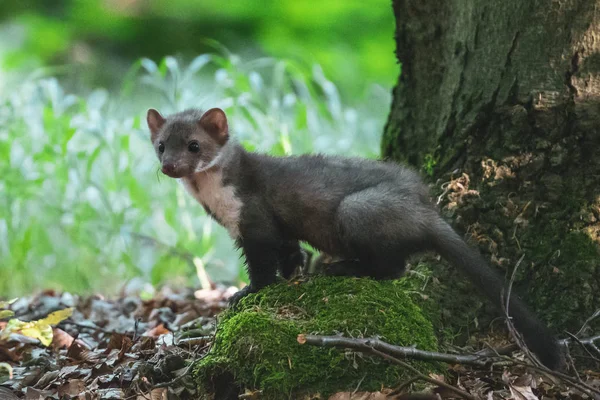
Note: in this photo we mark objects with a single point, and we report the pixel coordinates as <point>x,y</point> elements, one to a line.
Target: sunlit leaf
<point>40,329</point>
<point>57,316</point>
<point>33,330</point>
<point>6,314</point>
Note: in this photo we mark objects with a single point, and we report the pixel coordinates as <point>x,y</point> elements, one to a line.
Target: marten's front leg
<point>261,244</point>
<point>262,259</point>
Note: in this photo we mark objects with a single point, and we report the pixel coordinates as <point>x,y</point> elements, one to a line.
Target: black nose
<point>168,169</point>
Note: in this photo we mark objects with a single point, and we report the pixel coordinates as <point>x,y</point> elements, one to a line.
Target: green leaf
<point>301,116</point>
<point>91,160</point>
<point>56,317</point>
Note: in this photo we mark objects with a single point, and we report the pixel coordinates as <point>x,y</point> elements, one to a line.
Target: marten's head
<point>189,141</point>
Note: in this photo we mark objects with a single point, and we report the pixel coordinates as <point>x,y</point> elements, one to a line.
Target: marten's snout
<point>168,169</point>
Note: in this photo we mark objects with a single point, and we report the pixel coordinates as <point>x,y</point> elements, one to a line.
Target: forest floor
<point>128,348</point>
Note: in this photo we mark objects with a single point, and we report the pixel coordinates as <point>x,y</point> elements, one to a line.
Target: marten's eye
<point>161,147</point>
<point>194,147</point>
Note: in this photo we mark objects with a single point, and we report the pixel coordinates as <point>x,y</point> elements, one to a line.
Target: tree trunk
<point>498,103</point>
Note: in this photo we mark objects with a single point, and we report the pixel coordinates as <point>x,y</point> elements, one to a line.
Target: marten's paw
<point>237,296</point>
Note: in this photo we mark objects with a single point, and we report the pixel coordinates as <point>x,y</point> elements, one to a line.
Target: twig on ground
<point>582,386</point>
<point>90,326</point>
<point>359,383</point>
<point>576,382</point>
<point>595,315</point>
<point>596,349</point>
<point>183,374</point>
<point>589,342</point>
<point>202,340</point>
<point>422,376</point>
<point>480,360</point>
<point>583,345</point>
<point>372,346</point>
<point>572,363</point>
<point>505,303</point>
<point>398,389</point>
<point>136,325</point>
<point>489,351</point>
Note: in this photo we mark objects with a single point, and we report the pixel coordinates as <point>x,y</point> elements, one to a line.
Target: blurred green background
<point>82,207</point>
<point>350,39</point>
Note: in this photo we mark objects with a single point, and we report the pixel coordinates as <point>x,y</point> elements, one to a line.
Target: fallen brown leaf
<point>72,388</point>
<point>157,331</point>
<point>61,339</point>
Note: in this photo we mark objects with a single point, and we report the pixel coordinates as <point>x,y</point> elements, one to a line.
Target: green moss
<point>448,299</point>
<point>429,163</point>
<point>257,344</point>
<point>561,262</point>
<point>559,274</point>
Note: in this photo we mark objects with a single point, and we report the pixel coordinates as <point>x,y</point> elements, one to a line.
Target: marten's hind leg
<point>292,259</point>
<point>382,227</point>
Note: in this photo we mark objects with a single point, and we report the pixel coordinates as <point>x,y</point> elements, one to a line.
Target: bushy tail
<point>537,336</point>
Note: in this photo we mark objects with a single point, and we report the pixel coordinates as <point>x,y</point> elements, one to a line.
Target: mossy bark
<point>498,103</point>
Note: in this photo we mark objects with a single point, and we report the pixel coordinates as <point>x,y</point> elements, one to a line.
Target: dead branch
<point>517,337</point>
<point>400,388</point>
<point>185,373</point>
<point>90,326</point>
<point>582,386</point>
<point>372,346</point>
<point>481,360</point>
<point>588,342</point>
<point>585,341</point>
<point>575,381</point>
<point>595,315</point>
<point>186,342</point>
<point>422,376</point>
<point>582,343</point>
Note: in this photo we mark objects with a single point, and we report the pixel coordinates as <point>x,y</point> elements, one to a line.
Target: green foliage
<point>82,202</point>
<point>351,39</point>
<point>258,344</point>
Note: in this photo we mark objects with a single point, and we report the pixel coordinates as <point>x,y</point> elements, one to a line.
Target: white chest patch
<point>207,188</point>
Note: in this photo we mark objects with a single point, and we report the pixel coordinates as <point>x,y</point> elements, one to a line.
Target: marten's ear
<point>155,122</point>
<point>214,122</point>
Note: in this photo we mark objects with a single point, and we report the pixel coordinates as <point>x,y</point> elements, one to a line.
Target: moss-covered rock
<point>256,345</point>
